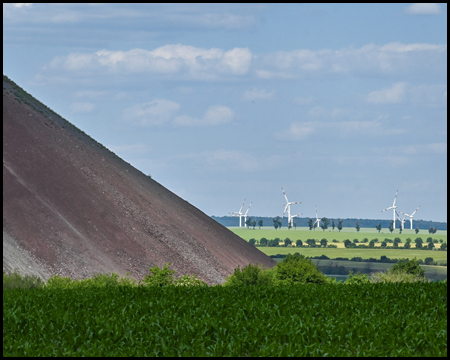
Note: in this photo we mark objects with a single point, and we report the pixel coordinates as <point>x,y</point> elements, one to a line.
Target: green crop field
<point>304,233</point>
<point>355,252</point>
<point>397,319</point>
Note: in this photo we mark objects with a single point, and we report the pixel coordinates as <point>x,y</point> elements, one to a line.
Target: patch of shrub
<point>250,275</point>
<point>15,281</point>
<point>297,269</point>
<point>357,279</point>
<point>159,277</point>
<point>408,267</point>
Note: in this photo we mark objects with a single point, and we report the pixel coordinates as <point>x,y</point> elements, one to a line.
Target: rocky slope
<point>72,207</point>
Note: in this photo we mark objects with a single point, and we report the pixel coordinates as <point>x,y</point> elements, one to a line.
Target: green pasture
<point>303,233</point>
<point>355,252</point>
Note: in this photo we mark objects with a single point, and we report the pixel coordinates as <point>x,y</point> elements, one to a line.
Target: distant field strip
<point>346,233</point>
<point>352,252</point>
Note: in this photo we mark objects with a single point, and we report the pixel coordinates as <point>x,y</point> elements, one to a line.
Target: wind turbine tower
<point>393,207</point>
<point>317,219</point>
<point>245,215</point>
<point>287,208</point>
<point>411,216</point>
<point>240,214</point>
<point>402,221</point>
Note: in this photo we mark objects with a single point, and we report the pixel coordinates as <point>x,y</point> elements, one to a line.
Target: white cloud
<point>169,59</point>
<point>423,9</point>
<point>90,94</point>
<point>258,94</point>
<point>392,58</point>
<point>215,115</point>
<point>297,131</point>
<point>394,94</point>
<point>304,100</point>
<point>153,113</point>
<point>82,107</point>
<point>19,5</point>
<point>226,160</point>
<point>439,148</point>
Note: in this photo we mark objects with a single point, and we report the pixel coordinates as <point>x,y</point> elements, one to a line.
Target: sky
<point>340,104</point>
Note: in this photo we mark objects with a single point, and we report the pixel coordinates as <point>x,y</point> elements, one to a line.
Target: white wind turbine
<point>317,219</point>
<point>402,221</point>
<point>288,208</point>
<point>245,215</point>
<point>240,214</point>
<point>392,207</point>
<point>411,216</point>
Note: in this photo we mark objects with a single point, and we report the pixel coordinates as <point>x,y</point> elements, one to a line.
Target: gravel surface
<point>72,207</point>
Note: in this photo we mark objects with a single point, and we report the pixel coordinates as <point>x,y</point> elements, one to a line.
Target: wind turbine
<point>392,207</point>
<point>245,215</point>
<point>402,221</point>
<point>288,208</point>
<point>240,214</point>
<point>411,216</point>
<point>317,219</point>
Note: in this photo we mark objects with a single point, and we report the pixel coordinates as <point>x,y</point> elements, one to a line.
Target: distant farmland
<point>303,233</point>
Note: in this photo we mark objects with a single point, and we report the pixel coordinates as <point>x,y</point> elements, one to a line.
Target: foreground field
<point>346,233</point>
<point>299,320</point>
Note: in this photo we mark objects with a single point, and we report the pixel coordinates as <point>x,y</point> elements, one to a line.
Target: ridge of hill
<point>72,207</point>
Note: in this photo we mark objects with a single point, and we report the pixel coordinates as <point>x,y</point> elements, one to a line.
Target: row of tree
<point>277,223</point>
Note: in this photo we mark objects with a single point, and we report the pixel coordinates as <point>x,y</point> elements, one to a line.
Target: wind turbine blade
<point>395,198</point>
<point>415,211</point>
<point>242,205</point>
<point>284,195</point>
<point>401,212</point>
<point>248,209</point>
<point>389,208</point>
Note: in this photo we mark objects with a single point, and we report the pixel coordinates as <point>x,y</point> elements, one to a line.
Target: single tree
<point>299,242</point>
<point>332,224</point>
<point>339,226</point>
<point>260,223</point>
<point>391,226</point>
<point>357,226</point>
<point>378,227</point>
<point>407,245</point>
<point>347,243</point>
<point>325,223</point>
<point>263,241</point>
<point>275,223</point>
<point>324,242</point>
<point>287,242</point>
<point>417,230</point>
<point>400,228</point>
<point>430,246</point>
<point>253,223</point>
<point>311,242</point>
<point>279,222</point>
<point>383,244</point>
<point>443,247</point>
<point>310,224</point>
<point>295,225</point>
<point>248,222</point>
<point>371,243</point>
<point>252,242</point>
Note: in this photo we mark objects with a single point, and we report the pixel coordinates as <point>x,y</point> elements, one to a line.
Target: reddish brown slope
<point>77,209</point>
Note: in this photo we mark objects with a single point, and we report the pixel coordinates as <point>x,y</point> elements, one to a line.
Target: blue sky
<point>340,104</point>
